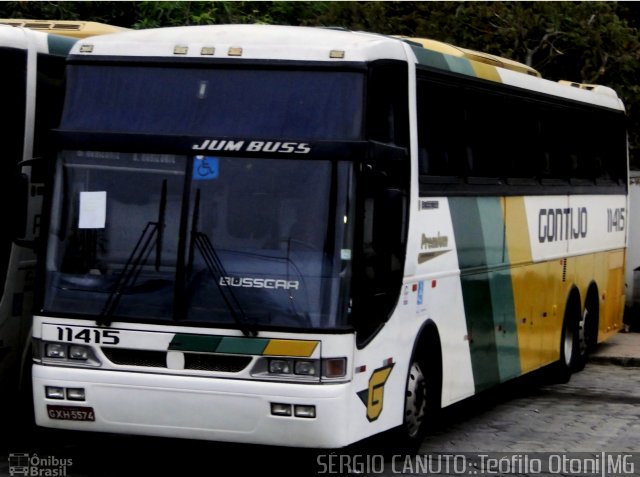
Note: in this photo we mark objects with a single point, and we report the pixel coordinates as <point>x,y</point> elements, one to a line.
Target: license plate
<point>70,413</point>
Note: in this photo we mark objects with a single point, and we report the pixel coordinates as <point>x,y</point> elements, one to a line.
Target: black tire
<point>415,405</point>
<point>587,331</point>
<point>562,369</point>
<point>423,391</point>
<point>592,321</point>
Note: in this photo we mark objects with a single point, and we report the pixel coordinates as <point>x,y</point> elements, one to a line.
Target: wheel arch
<point>428,348</point>
<point>573,303</point>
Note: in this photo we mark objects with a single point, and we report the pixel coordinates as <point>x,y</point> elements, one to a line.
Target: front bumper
<point>190,407</point>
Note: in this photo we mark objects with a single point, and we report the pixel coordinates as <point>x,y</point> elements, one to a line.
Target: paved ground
<point>597,411</point>
<point>622,349</point>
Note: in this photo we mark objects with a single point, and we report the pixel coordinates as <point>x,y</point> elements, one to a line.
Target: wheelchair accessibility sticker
<point>205,168</point>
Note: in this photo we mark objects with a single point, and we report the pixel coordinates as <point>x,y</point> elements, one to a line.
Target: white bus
<point>305,237</point>
<point>31,94</point>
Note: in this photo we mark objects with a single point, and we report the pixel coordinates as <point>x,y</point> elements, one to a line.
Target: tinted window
<point>270,234</point>
<point>387,104</point>
<point>49,100</point>
<point>215,102</point>
<point>477,134</point>
<point>12,98</point>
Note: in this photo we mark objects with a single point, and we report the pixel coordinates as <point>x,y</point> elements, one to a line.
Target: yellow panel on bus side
<point>527,282</point>
<point>612,307</point>
<point>539,291</point>
<point>557,290</point>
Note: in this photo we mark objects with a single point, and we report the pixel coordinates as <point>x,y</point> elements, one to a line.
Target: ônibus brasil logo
<point>22,463</point>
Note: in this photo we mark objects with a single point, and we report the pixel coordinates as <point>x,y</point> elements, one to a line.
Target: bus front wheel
<point>422,392</point>
<point>415,408</point>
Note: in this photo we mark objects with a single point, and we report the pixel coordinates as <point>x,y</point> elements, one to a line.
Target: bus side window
<point>383,254</point>
<point>384,185</point>
<point>442,134</point>
<point>387,108</point>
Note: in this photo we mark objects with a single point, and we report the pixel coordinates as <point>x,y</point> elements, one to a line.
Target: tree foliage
<point>586,42</point>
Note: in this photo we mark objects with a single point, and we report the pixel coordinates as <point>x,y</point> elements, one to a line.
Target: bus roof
<point>24,39</point>
<point>473,55</point>
<point>271,42</point>
<point>250,42</point>
<point>71,28</point>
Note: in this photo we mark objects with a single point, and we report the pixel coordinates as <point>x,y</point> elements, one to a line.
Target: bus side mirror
<point>28,193</point>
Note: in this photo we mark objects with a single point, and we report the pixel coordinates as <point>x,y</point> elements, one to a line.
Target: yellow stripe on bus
<point>294,348</point>
<point>527,280</point>
<point>485,71</point>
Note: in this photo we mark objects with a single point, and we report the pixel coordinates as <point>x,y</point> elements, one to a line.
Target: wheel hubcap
<point>583,337</point>
<point>415,404</point>
<point>568,344</point>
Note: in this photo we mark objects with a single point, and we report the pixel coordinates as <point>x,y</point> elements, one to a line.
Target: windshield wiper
<point>202,242</point>
<point>162,211</point>
<point>138,257</point>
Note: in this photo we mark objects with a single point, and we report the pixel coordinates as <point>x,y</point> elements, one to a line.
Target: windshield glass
<point>256,103</point>
<point>201,239</point>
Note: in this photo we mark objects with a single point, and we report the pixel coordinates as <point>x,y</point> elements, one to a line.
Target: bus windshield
<point>200,239</point>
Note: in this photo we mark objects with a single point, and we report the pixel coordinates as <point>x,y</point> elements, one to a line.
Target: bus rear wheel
<point>569,346</point>
<point>587,331</point>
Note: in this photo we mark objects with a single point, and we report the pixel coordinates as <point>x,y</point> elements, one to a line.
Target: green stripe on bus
<point>233,345</point>
<point>476,292</point>
<point>478,311</point>
<point>504,324</point>
<point>486,288</point>
<point>202,343</point>
<point>430,58</point>
<point>443,61</point>
<point>468,233</point>
<point>236,345</point>
<point>500,286</point>
<point>459,65</point>
<point>60,45</point>
<point>492,230</point>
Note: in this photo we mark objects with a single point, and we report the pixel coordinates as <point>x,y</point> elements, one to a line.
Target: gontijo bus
<point>305,237</point>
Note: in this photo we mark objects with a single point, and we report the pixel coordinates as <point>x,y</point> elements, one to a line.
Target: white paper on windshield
<point>93,210</point>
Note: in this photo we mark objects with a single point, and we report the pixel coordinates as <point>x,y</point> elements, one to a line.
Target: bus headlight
<point>305,368</point>
<point>301,370</point>
<point>280,366</point>
<point>56,350</point>
<point>69,354</point>
<point>79,352</point>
